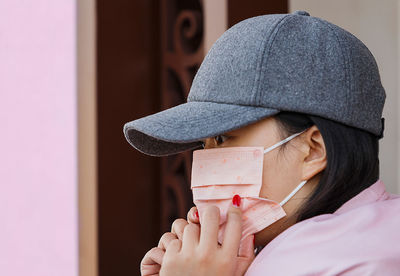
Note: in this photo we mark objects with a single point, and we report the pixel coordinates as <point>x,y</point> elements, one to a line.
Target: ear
<point>314,154</point>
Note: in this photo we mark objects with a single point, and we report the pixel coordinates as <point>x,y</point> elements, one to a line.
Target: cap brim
<point>182,127</point>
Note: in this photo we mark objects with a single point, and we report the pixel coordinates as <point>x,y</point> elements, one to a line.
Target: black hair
<point>352,162</point>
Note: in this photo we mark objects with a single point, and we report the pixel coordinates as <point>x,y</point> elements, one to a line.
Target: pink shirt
<point>361,238</point>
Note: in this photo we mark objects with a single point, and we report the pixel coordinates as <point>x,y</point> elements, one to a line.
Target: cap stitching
<point>259,67</point>
<point>346,66</point>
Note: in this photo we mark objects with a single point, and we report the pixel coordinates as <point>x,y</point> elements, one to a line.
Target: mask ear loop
<point>293,192</point>
<point>282,142</point>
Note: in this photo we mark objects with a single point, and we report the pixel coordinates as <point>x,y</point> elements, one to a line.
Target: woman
<point>309,94</point>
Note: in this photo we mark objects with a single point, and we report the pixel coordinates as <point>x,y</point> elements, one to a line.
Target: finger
<point>177,227</point>
<point>209,227</point>
<point>174,247</point>
<point>193,216</point>
<point>246,249</point>
<point>151,262</point>
<point>150,270</point>
<point>241,266</point>
<point>233,231</point>
<point>171,253</point>
<point>154,255</point>
<point>246,255</point>
<point>191,236</point>
<point>165,239</point>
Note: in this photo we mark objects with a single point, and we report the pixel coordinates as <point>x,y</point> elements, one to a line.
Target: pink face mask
<point>220,173</point>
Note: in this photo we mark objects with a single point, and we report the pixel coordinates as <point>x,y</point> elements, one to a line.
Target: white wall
<point>377,24</point>
<point>38,139</point>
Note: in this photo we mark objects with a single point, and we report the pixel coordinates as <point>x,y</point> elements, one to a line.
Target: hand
<point>152,261</point>
<point>198,253</point>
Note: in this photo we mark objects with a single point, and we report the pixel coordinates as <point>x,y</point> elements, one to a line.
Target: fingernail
<point>196,214</point>
<point>254,241</point>
<point>236,200</point>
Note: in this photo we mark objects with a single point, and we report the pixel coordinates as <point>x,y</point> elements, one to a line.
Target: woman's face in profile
<point>284,168</point>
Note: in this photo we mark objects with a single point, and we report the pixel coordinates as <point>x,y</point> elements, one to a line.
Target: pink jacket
<point>361,238</point>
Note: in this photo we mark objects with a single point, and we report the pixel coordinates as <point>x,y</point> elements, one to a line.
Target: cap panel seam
<point>346,63</point>
<point>270,41</point>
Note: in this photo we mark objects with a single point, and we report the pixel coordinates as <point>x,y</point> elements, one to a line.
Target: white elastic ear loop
<point>274,147</point>
<point>293,192</point>
<point>282,142</point>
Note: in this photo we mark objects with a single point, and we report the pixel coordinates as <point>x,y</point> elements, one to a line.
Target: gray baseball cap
<point>262,66</point>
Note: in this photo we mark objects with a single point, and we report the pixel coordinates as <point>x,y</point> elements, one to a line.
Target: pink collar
<point>376,192</point>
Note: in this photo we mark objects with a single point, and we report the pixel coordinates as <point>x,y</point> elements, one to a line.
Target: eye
<point>219,139</point>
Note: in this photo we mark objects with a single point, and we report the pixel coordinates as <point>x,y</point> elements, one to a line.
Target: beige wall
<point>377,24</point>
<point>215,21</point>
<point>87,180</point>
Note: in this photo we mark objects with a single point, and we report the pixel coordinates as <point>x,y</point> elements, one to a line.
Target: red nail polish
<point>197,214</point>
<point>236,200</point>
<point>254,241</point>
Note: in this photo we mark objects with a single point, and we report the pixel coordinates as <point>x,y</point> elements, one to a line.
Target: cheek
<point>277,177</point>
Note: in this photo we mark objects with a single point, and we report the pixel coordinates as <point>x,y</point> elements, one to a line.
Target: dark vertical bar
<point>147,54</point>
<point>128,47</point>
<point>181,55</point>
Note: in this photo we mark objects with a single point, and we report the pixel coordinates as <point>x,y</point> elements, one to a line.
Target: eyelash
<point>223,140</point>
<point>215,138</point>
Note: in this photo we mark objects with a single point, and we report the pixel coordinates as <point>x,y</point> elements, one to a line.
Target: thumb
<point>151,262</point>
<point>246,255</point>
<point>246,249</point>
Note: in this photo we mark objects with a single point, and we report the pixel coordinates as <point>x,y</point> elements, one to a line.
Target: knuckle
<point>178,222</point>
<point>148,256</point>
<point>167,236</point>
<point>153,251</point>
<point>174,245</point>
<point>178,225</point>
<point>164,236</point>
<point>191,228</point>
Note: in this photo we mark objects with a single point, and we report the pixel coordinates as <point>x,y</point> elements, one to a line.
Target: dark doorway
<point>133,203</point>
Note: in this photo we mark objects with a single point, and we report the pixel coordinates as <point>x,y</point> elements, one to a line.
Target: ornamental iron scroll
<point>181,55</point>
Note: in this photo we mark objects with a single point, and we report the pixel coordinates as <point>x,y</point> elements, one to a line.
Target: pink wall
<point>38,138</point>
